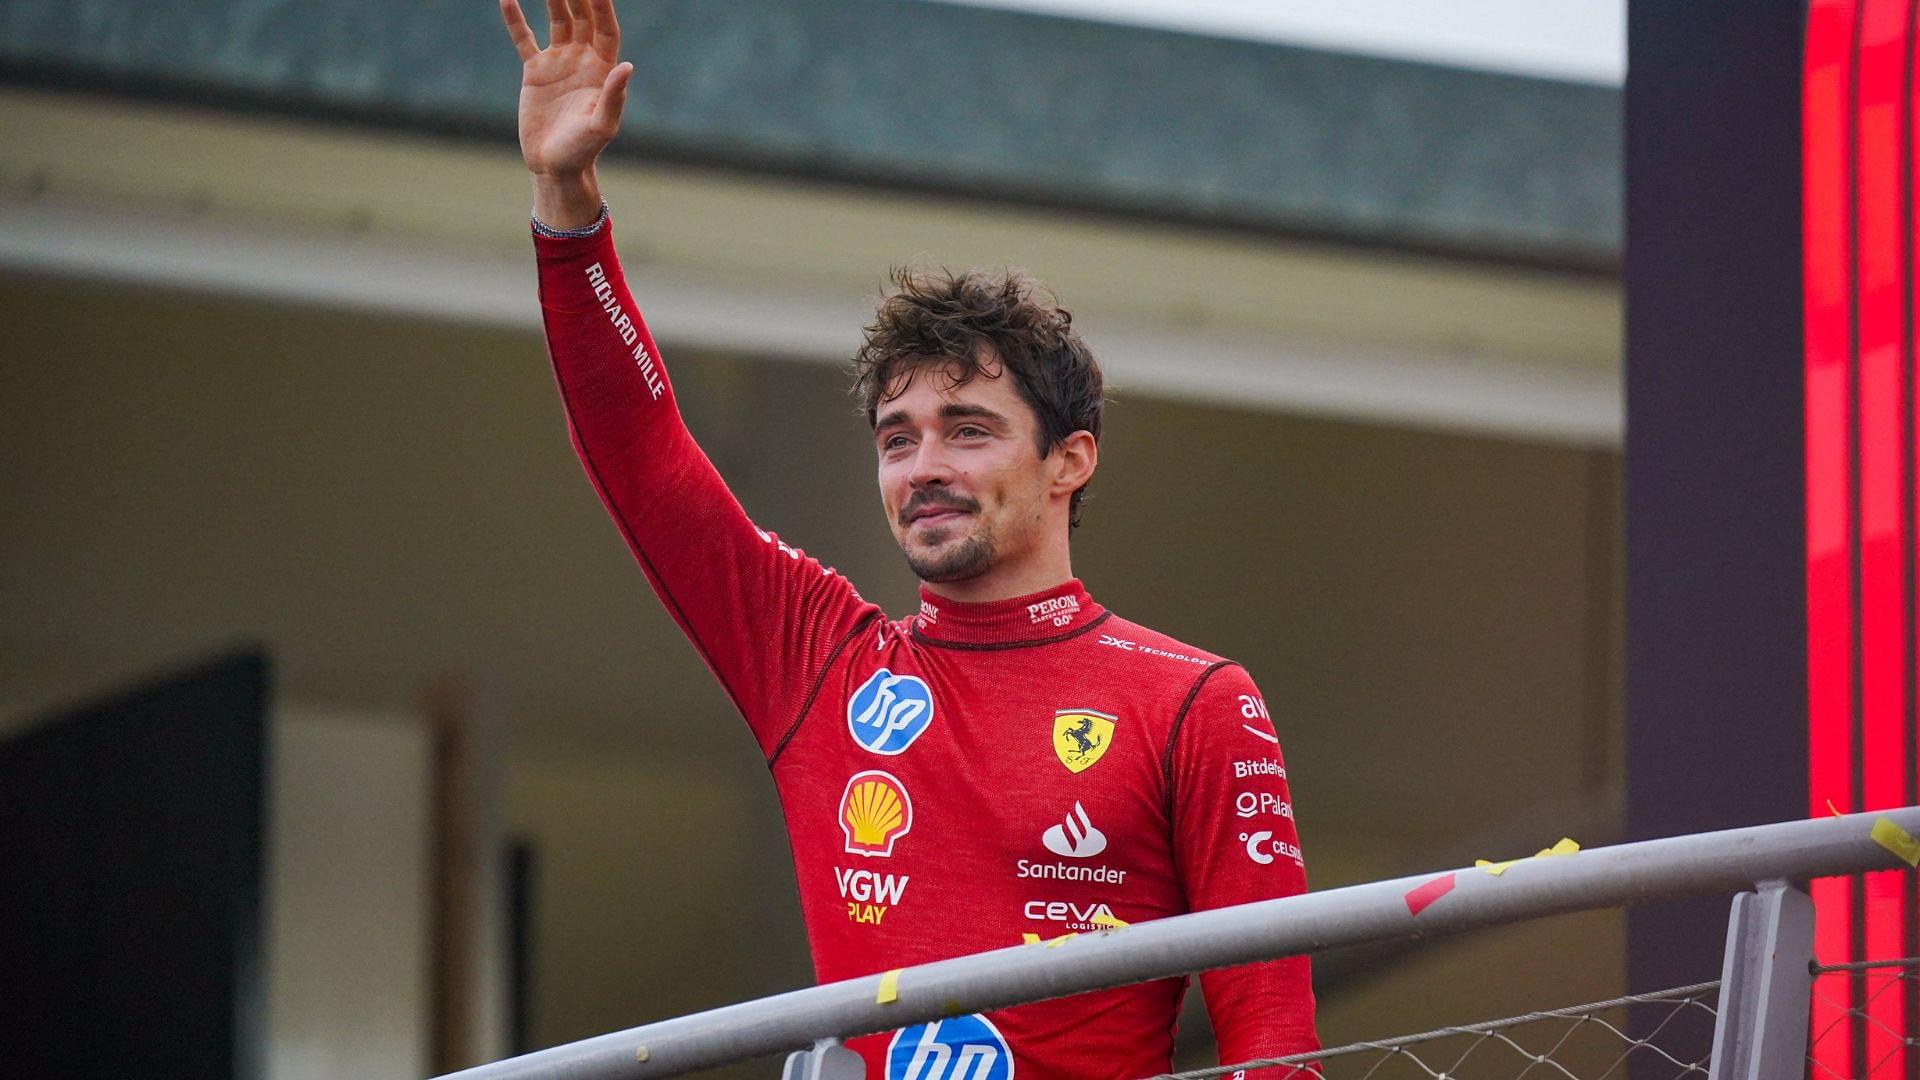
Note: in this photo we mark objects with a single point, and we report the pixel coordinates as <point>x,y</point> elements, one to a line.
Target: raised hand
<point>571,95</point>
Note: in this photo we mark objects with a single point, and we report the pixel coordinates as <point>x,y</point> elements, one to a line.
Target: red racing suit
<point>971,777</point>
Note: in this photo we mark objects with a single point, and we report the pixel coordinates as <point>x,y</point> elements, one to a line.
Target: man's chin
<point>953,560</point>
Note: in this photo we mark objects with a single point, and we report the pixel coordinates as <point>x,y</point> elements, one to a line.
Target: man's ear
<point>1079,456</point>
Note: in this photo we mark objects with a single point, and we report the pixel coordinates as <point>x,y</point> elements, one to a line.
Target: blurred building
<point>274,373</point>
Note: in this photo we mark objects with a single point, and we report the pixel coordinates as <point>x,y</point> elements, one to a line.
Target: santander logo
<point>1075,838</point>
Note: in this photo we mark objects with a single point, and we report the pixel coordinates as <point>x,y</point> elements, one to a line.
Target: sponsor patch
<point>889,711</point>
<point>1124,645</point>
<point>628,332</point>
<point>1059,611</point>
<point>1076,838</point>
<point>1072,914</point>
<point>1081,737</point>
<point>1060,871</point>
<point>874,813</point>
<point>1262,847</point>
<point>958,1048</point>
<point>1249,803</point>
<point>869,894</point>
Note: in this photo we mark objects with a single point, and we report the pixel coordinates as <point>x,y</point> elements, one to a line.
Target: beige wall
<point>378,499</point>
<point>347,875</point>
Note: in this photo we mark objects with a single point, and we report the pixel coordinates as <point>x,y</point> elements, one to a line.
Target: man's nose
<point>931,465</point>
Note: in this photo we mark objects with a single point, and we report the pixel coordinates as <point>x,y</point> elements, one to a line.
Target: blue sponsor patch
<point>963,1048</point>
<point>889,711</point>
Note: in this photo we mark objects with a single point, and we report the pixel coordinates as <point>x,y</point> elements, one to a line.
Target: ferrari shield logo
<point>1081,737</point>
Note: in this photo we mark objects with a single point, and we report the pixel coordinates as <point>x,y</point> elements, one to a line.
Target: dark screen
<point>131,832</point>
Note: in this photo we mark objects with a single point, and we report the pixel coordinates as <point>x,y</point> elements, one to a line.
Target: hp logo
<point>889,711</point>
<point>963,1048</point>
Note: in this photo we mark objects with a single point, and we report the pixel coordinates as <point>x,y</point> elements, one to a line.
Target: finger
<point>560,20</point>
<point>613,97</point>
<point>606,28</point>
<point>524,42</point>
<point>582,20</point>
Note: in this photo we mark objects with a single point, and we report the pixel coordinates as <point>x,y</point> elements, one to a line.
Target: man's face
<point>961,477</point>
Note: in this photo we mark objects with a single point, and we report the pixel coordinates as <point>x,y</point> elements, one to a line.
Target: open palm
<point>572,91</point>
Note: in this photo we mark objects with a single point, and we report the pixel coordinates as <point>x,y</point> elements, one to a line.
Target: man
<point>1013,762</point>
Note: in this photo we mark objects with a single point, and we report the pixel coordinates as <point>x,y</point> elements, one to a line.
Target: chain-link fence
<point>1884,997</point>
<point>1583,1042</point>
<point>1667,1033</point>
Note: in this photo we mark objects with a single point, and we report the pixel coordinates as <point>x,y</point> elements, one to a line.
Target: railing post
<point>828,1060</point>
<point>1766,979</point>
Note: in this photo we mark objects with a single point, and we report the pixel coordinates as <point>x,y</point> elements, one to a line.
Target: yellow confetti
<point>1564,847</point>
<point>889,988</point>
<point>1029,938</point>
<point>1108,920</point>
<point>1897,840</point>
<point>1061,940</point>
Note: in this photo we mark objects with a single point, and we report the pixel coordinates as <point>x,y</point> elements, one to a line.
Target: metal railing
<point>1763,995</point>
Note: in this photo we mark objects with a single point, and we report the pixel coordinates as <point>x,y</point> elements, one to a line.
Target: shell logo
<point>874,812</point>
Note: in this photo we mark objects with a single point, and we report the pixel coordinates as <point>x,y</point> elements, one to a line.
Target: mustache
<point>941,501</point>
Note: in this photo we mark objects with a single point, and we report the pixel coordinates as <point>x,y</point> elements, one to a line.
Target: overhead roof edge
<point>934,97</point>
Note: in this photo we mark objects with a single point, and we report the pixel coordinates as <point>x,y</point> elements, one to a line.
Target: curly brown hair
<point>962,323</point>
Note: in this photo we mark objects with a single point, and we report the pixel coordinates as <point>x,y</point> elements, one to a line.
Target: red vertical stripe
<point>1825,118</point>
<point>1860,100</point>
<point>1907,745</point>
<point>1880,295</point>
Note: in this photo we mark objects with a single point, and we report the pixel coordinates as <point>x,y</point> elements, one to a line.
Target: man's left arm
<point>1235,842</point>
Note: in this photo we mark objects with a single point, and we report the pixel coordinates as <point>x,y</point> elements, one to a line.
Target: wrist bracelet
<point>546,230</point>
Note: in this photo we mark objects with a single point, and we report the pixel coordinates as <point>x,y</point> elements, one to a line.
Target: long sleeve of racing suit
<point>766,619</point>
<point>1235,842</point>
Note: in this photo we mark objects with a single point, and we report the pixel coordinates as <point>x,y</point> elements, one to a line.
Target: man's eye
<point>969,431</point>
<point>894,442</point>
